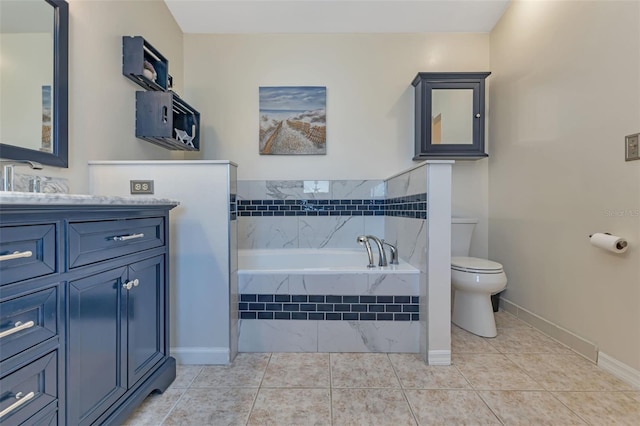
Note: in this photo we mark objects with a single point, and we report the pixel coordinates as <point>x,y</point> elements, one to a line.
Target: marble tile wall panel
<point>278,336</point>
<point>368,336</point>
<point>410,183</point>
<point>330,232</point>
<point>270,284</point>
<point>307,231</point>
<point>267,232</point>
<point>48,185</point>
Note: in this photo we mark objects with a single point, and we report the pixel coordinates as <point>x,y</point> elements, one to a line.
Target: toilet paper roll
<point>609,242</point>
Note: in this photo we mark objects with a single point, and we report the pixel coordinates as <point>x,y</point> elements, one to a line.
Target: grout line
<point>164,419</point>
<point>330,393</point>
<point>402,390</point>
<point>255,398</point>
<point>488,406</point>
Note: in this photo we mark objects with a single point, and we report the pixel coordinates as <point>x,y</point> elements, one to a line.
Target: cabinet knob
<point>127,286</point>
<point>478,115</point>
<point>136,282</point>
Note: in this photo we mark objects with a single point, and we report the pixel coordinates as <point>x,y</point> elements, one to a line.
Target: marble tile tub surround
<point>338,330</point>
<point>318,214</point>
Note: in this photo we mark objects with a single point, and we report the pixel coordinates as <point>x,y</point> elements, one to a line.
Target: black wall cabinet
<point>449,115</point>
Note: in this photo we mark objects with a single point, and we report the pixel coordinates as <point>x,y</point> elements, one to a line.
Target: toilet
<point>473,280</point>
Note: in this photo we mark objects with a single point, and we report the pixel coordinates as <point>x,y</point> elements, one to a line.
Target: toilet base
<point>474,312</point>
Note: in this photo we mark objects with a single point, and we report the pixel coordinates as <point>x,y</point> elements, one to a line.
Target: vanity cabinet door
<point>96,345</point>
<point>145,317</point>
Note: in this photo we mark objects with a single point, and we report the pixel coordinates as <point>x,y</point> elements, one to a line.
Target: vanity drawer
<point>91,242</point>
<point>27,251</point>
<point>28,320</point>
<point>28,390</point>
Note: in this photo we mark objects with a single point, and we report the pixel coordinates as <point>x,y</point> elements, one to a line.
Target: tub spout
<point>394,253</point>
<point>382,259</point>
<point>365,241</point>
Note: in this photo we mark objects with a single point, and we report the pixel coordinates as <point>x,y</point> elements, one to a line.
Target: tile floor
<point>520,377</point>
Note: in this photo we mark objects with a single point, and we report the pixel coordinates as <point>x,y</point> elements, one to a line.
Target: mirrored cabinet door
<point>449,115</point>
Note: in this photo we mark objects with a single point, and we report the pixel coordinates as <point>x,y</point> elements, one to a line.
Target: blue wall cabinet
<point>162,117</point>
<point>449,115</point>
<point>84,332</point>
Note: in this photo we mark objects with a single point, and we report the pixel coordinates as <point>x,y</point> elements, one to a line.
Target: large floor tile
<point>506,320</point>
<point>526,340</point>
<point>370,407</point>
<point>416,374</point>
<point>494,372</point>
<point>279,406</point>
<point>297,370</point>
<point>529,408</point>
<point>155,408</point>
<point>246,370</point>
<point>602,408</point>
<point>464,342</point>
<point>635,395</point>
<point>362,370</point>
<point>559,372</point>
<point>185,375</point>
<point>215,407</point>
<point>449,407</point>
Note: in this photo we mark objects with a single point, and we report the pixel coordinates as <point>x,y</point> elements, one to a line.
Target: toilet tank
<point>461,231</point>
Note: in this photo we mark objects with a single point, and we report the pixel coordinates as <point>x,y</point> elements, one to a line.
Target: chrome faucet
<point>7,172</point>
<point>394,253</point>
<point>382,258</point>
<point>365,241</point>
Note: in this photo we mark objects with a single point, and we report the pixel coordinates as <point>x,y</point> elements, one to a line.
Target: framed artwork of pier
<point>293,120</point>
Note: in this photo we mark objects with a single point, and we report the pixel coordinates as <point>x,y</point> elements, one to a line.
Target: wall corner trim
<point>439,358</point>
<point>619,369</point>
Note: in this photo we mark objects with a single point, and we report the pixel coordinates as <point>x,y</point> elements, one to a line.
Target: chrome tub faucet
<point>365,241</point>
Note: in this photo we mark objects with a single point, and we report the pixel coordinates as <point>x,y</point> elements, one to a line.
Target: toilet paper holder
<point>620,245</point>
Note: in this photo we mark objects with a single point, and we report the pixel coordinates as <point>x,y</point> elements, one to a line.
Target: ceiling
<point>336,16</point>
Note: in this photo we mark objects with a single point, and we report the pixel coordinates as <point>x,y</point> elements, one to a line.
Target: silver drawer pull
<point>18,326</point>
<point>20,400</point>
<point>16,255</point>
<point>128,237</point>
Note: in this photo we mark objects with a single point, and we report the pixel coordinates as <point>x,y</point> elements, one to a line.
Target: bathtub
<point>316,261</point>
<point>325,300</point>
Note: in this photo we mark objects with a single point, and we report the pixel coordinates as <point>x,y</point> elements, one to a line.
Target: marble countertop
<point>29,198</point>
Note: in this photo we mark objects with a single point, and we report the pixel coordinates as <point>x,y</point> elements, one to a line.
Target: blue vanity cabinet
<point>97,341</point>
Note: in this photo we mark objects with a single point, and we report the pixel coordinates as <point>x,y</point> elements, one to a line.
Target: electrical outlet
<point>632,150</point>
<point>141,186</point>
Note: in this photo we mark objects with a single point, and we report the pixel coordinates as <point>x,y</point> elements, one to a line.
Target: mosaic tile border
<point>233,207</point>
<point>329,307</point>
<point>412,206</point>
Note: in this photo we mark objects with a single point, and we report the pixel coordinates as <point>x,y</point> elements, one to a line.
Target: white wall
<point>369,95</point>
<point>101,99</point>
<point>565,91</point>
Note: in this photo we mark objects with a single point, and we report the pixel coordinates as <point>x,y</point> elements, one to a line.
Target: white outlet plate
<point>632,147</point>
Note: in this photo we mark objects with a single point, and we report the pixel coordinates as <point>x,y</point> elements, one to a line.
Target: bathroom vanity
<point>84,301</point>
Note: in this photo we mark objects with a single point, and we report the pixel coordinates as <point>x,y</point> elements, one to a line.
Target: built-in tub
<point>316,261</point>
<point>325,300</point>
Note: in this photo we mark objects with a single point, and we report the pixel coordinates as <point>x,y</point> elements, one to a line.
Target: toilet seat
<point>475,265</point>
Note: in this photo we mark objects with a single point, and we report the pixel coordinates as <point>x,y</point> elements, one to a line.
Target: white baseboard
<point>578,344</point>
<point>200,355</point>
<point>619,369</point>
<point>439,357</point>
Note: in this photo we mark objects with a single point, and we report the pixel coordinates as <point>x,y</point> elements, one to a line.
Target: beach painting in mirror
<point>293,120</point>
<point>46,119</point>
